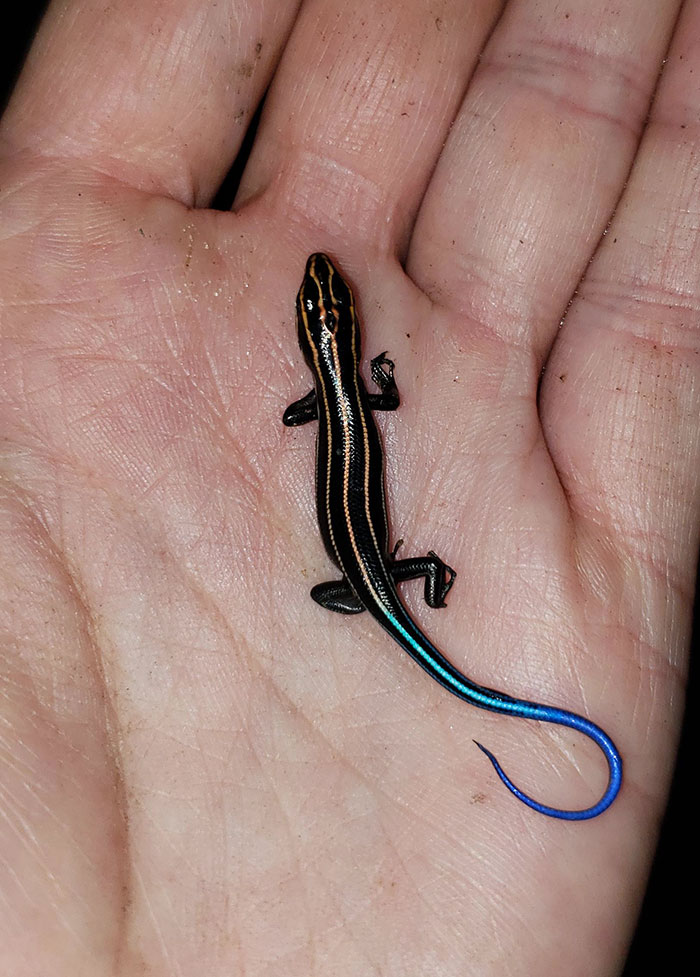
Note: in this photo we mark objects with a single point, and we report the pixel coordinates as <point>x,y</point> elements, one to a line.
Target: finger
<point>357,113</point>
<point>535,162</point>
<point>621,397</point>
<point>158,95</point>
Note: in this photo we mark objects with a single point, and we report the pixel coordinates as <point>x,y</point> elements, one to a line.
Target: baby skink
<point>352,516</point>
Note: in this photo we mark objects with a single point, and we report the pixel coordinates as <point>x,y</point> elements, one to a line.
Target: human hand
<point>207,773</point>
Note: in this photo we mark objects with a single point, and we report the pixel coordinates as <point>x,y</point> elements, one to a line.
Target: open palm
<point>205,772</point>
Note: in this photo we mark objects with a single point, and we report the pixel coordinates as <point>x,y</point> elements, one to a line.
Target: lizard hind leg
<point>338,596</point>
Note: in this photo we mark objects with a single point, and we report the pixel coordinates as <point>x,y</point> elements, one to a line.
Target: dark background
<point>663,942</point>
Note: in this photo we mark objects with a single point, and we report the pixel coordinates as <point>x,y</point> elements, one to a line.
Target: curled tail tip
<point>488,753</point>
<point>586,814</point>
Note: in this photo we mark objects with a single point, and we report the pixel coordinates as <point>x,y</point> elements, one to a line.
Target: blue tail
<point>396,620</point>
<point>563,718</point>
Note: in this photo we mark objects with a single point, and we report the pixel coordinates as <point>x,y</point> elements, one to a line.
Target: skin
<point>202,771</point>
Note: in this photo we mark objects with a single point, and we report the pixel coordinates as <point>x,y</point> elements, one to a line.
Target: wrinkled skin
<point>204,772</point>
